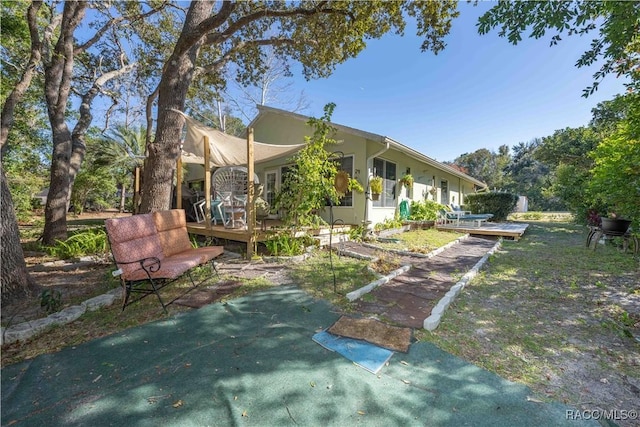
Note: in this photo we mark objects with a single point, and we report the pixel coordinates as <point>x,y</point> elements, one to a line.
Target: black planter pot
<point>618,226</point>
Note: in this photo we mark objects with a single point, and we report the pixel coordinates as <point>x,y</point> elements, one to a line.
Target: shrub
<point>497,203</point>
<point>425,210</point>
<point>92,241</point>
<point>388,224</point>
<point>51,300</point>
<point>283,244</point>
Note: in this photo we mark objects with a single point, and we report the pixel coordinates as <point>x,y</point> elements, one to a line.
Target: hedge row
<point>498,204</point>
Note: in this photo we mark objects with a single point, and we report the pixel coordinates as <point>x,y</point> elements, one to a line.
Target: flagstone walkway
<point>409,298</point>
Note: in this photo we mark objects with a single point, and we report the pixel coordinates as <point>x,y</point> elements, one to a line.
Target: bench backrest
<point>172,231</point>
<point>133,238</point>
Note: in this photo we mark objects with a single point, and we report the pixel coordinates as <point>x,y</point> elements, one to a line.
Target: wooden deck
<point>259,234</point>
<point>512,230</point>
<point>220,232</point>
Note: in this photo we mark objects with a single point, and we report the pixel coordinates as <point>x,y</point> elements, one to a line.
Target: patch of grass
<point>541,216</point>
<point>537,306</point>
<point>421,241</point>
<point>316,277</point>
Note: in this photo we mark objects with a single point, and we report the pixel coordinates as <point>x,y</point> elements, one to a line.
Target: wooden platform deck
<point>511,230</point>
<point>220,232</point>
<point>259,234</point>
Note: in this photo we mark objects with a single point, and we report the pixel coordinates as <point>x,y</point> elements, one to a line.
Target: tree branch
<point>149,113</point>
<point>217,65</point>
<point>25,80</point>
<point>280,13</point>
<point>112,22</point>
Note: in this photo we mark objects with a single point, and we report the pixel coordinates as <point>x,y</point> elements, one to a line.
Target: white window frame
<point>389,185</point>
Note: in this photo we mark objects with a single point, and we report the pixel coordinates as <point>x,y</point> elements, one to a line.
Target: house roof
<point>263,110</point>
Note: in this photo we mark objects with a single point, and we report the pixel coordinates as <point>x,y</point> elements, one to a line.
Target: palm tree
<point>124,150</point>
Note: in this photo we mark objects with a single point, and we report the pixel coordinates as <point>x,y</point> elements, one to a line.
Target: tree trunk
<point>16,281</point>
<point>123,196</point>
<point>58,76</point>
<point>55,211</point>
<point>176,79</point>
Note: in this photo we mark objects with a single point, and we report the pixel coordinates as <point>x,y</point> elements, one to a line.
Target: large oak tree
<point>317,34</point>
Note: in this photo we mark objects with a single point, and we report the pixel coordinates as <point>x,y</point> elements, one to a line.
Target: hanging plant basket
<point>375,196</point>
<point>407,180</point>
<point>341,182</point>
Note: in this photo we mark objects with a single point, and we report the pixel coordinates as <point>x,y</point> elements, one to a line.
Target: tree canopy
<point>317,34</point>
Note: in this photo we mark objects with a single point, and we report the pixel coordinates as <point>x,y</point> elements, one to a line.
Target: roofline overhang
<point>263,109</point>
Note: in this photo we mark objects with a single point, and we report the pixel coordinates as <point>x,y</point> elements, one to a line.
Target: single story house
<point>365,155</point>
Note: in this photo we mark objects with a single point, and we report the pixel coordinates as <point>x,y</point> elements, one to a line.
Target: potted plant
<point>407,180</point>
<point>343,183</point>
<point>375,187</point>
<point>614,224</point>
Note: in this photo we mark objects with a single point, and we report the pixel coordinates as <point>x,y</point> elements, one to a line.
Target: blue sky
<point>480,92</point>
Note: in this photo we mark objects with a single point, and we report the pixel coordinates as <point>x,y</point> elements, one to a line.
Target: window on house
<point>387,171</point>
<point>271,187</point>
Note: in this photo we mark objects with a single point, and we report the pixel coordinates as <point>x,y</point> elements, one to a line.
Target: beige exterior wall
<point>280,129</point>
<point>275,128</point>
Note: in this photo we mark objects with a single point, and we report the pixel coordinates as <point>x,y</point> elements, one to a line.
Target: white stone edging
<point>432,322</point>
<point>353,295</point>
<point>24,331</point>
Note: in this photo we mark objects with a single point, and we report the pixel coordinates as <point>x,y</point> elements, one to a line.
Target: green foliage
<point>284,244</point>
<point>51,300</point>
<point>425,210</point>
<point>615,179</point>
<point>354,185</point>
<point>485,165</point>
<point>530,177</point>
<point>375,185</point>
<point>311,180</point>
<point>388,224</point>
<point>356,233</point>
<point>407,180</point>
<point>497,203</point>
<point>23,158</point>
<point>92,241</point>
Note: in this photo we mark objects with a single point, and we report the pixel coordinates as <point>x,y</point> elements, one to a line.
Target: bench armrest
<point>149,265</point>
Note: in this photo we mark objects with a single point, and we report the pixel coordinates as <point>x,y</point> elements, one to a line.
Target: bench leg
<point>129,289</point>
<point>156,290</point>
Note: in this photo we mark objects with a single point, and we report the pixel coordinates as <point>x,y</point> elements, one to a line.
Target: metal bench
<point>153,250</point>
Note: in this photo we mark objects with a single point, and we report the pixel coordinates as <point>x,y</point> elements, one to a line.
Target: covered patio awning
<point>207,146</point>
<point>226,150</point>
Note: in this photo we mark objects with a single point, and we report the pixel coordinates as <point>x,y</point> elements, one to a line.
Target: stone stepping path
<point>409,298</point>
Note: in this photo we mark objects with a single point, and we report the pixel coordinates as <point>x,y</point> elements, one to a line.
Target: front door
<point>444,192</point>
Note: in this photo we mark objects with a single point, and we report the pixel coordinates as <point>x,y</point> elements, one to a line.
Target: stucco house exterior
<point>365,155</point>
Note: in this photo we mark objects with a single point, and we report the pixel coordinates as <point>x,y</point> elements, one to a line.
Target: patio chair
<point>216,211</point>
<point>463,216</point>
<point>230,186</point>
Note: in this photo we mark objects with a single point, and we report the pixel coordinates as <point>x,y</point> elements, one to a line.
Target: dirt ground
<point>589,372</point>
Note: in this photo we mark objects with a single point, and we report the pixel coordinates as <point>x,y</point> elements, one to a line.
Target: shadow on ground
<point>251,361</point>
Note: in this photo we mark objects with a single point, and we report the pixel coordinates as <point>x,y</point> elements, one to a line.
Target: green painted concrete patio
<point>252,362</point>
